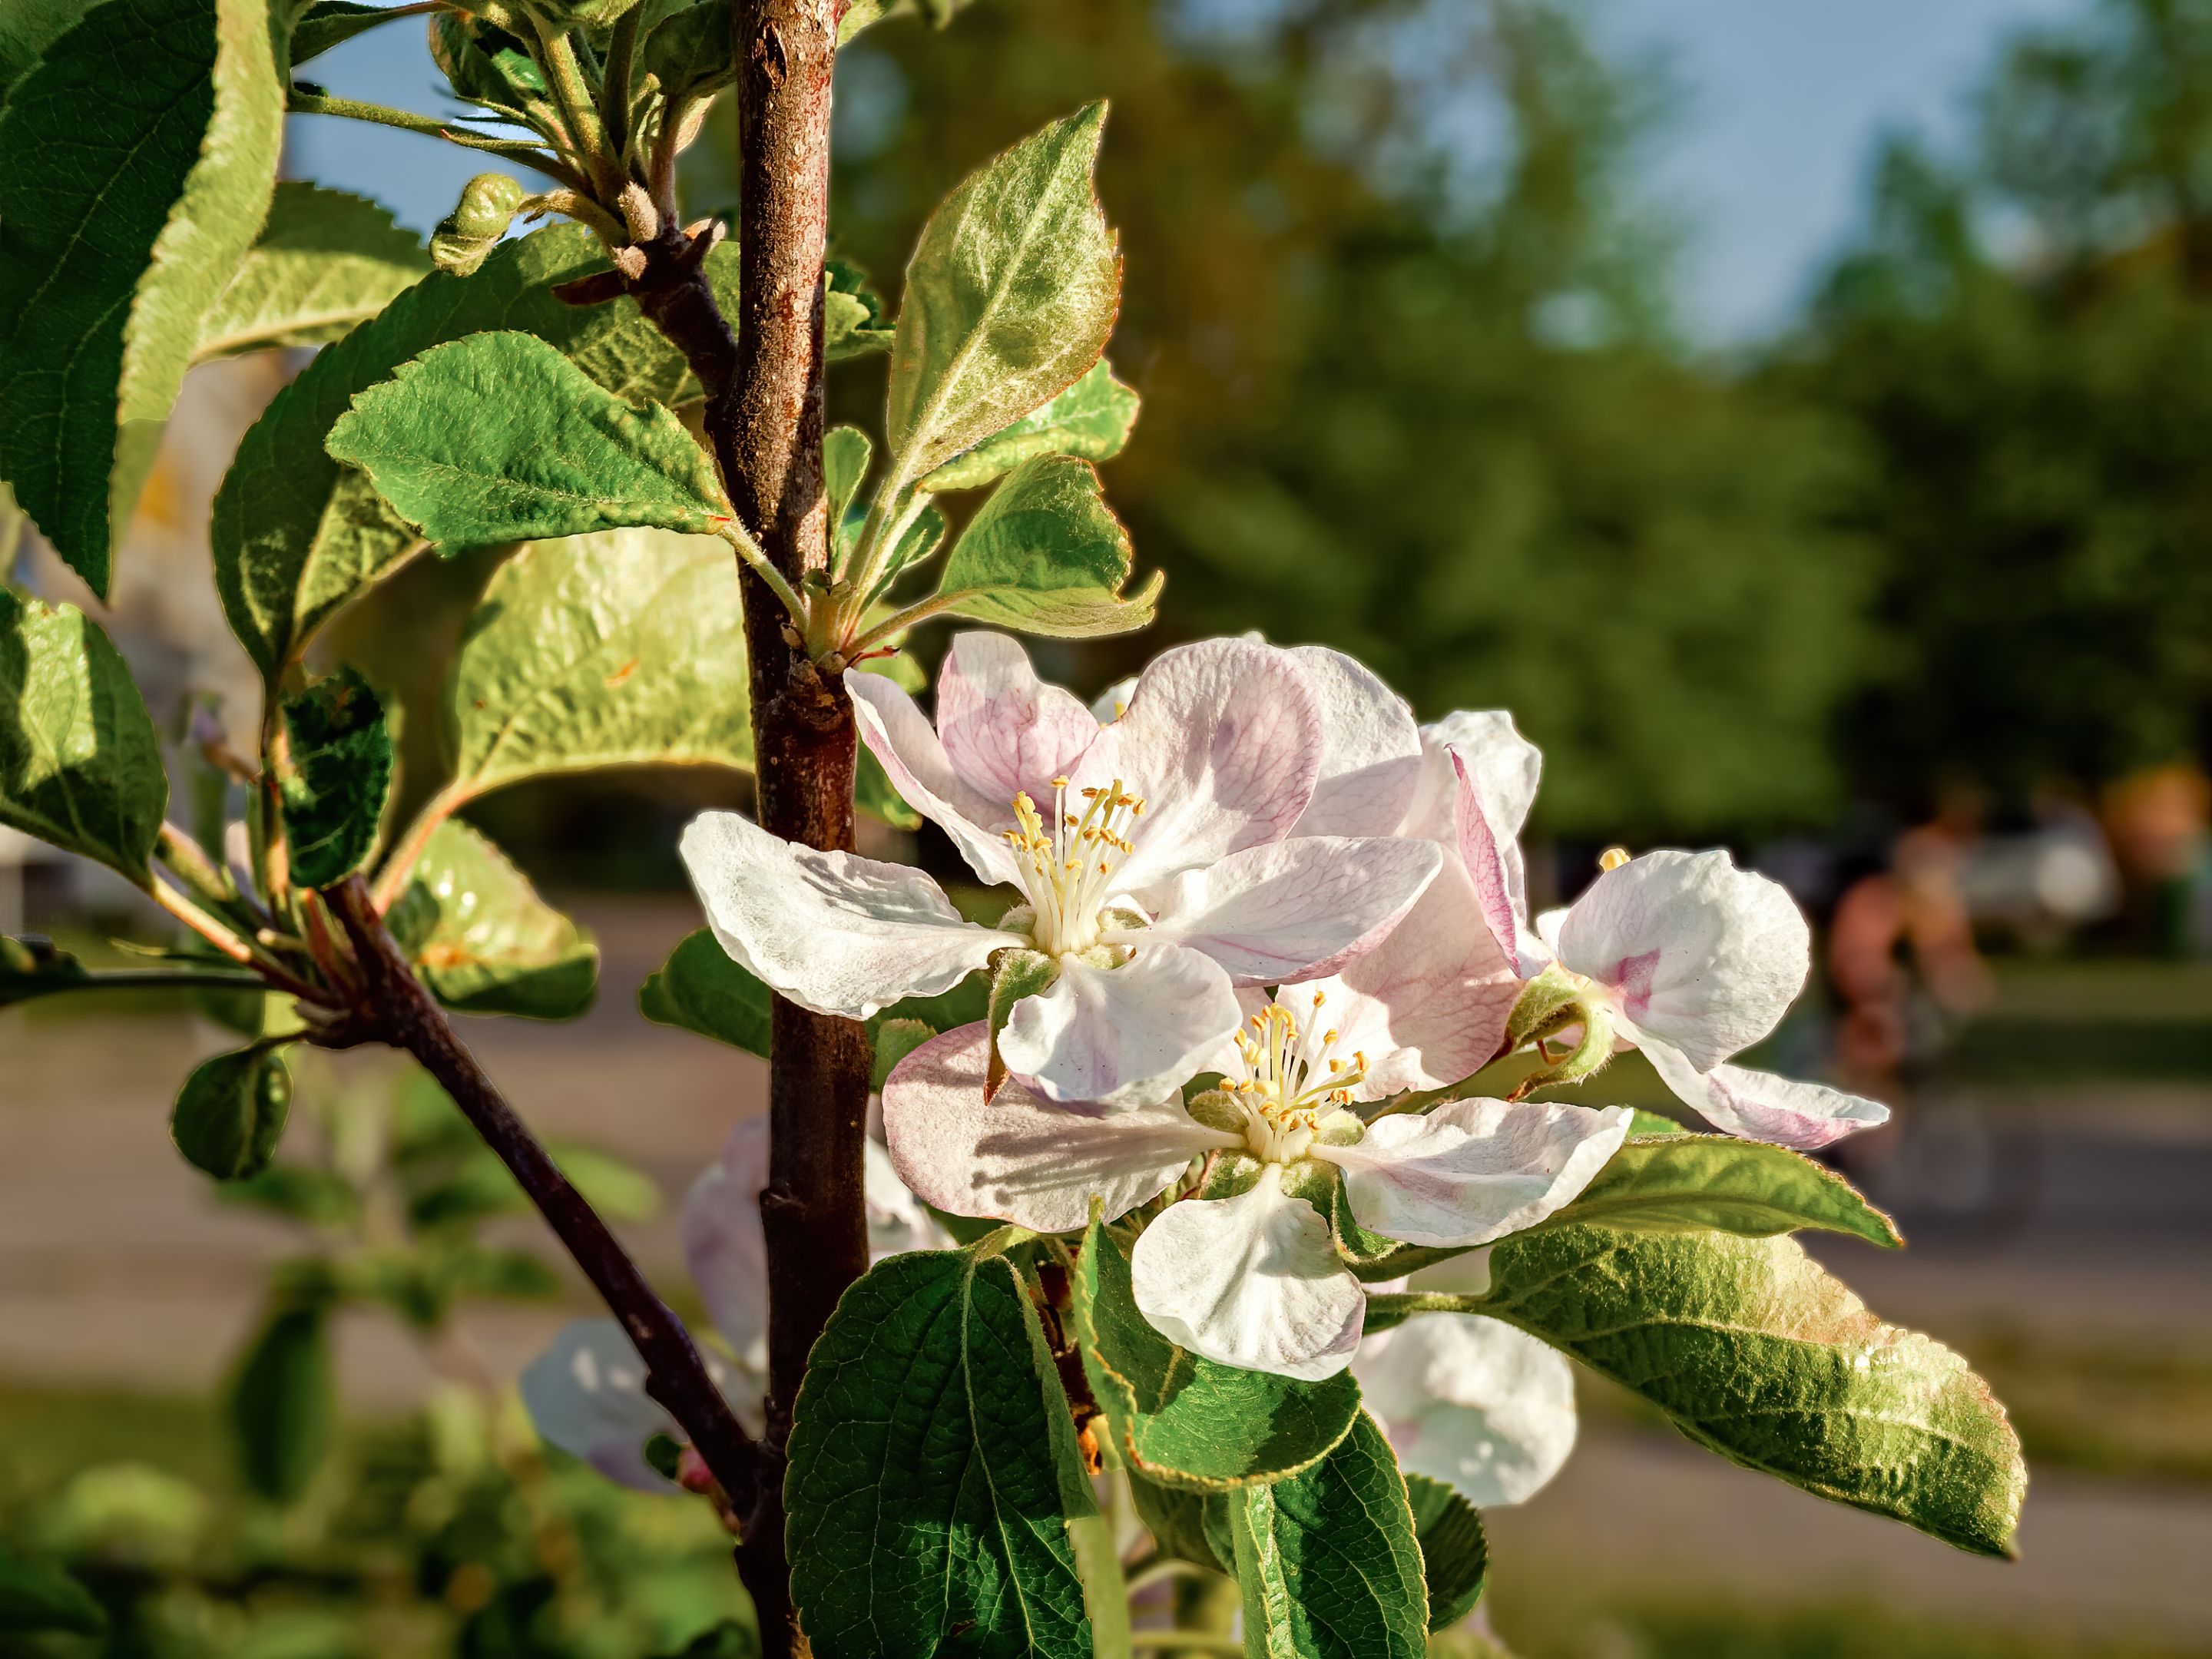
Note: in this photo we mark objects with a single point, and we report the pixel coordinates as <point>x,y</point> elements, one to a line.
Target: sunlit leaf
<point>324,261</point>
<point>1091,420</point>
<point>484,940</point>
<point>335,775</point>
<point>1044,555</point>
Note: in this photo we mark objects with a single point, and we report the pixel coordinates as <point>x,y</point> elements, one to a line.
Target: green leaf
<point>283,1406</point>
<point>690,51</point>
<point>1091,420</point>
<point>80,764</point>
<point>895,1039</point>
<point>325,261</point>
<point>1329,1561</point>
<point>1191,1526</point>
<point>231,1112</point>
<point>933,1472</point>
<point>500,438</point>
<point>336,778</point>
<point>32,968</point>
<point>846,454</point>
<point>699,988</point>
<point>1651,1123</point>
<point>623,649</point>
<point>1691,1183</point>
<point>853,323</point>
<point>296,535</point>
<point>1182,1421</point>
<point>330,23</point>
<point>1010,297</point>
<point>27,27</point>
<point>34,1597</point>
<point>874,794</point>
<point>1454,1556</point>
<point>298,1191</point>
<point>1043,556</point>
<point>1754,1351</point>
<point>483,939</point>
<point>129,200</point>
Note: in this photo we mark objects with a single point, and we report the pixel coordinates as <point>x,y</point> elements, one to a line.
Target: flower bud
<point>467,235</point>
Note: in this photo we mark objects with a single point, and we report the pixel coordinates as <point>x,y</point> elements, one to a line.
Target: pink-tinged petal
<point>1505,764</point>
<point>897,1221</point>
<point>1428,1006</point>
<point>719,1226</point>
<point>587,1395</point>
<point>1472,1402</point>
<point>835,933</point>
<point>1699,954</point>
<point>1473,1171</point>
<point>1223,740</point>
<point>1020,1158</point>
<point>1119,1037</point>
<point>1490,854</point>
<point>1251,1281</point>
<point>1760,1106</point>
<point>914,759</point>
<point>1005,730</point>
<point>1295,909</point>
<point>1370,760</point>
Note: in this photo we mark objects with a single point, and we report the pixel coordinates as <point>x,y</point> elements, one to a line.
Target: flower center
<point>1289,1085</point>
<point>1068,872</point>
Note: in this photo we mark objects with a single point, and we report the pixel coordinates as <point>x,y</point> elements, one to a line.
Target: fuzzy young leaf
<point>324,261</point>
<point>1751,1350</point>
<point>296,535</point>
<point>1090,421</point>
<point>34,1597</point>
<point>283,1405</point>
<point>1329,1561</point>
<point>483,939</point>
<point>231,1113</point>
<point>1044,555</point>
<point>80,764</point>
<point>500,438</point>
<point>933,1474</point>
<point>1455,1555</point>
<point>336,779</point>
<point>1010,297</point>
<point>688,51</point>
<point>130,200</point>
<point>623,649</point>
<point>1692,1183</point>
<point>1186,1422</point>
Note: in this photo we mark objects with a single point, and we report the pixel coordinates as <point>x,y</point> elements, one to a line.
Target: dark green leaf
<point>699,988</point>
<point>1043,556</point>
<point>128,201</point>
<point>283,1406</point>
<point>1690,1183</point>
<point>1190,1526</point>
<point>1091,420</point>
<point>34,1597</point>
<point>483,939</point>
<point>1329,1561</point>
<point>80,764</point>
<point>31,968</point>
<point>1754,1351</point>
<point>299,1192</point>
<point>330,23</point>
<point>1454,1556</point>
<point>335,780</point>
<point>933,1472</point>
<point>231,1112</point>
<point>324,261</point>
<point>1182,1421</point>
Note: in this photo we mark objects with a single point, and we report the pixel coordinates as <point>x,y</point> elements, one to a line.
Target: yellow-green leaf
<point>1044,555</point>
<point>324,261</point>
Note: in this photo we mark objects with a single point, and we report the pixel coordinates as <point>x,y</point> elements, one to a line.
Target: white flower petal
<point>1120,1036</point>
<point>1113,702</point>
<point>1005,730</point>
<point>914,759</point>
<point>1473,1170</point>
<point>587,1394</point>
<point>719,1226</point>
<point>1371,762</point>
<point>1491,853</point>
<point>1294,910</point>
<point>1506,767</point>
<point>1760,1106</point>
<point>1252,1281</point>
<point>1472,1402</point>
<point>1702,955</point>
<point>835,933</point>
<point>1020,1158</point>
<point>1223,741</point>
<point>897,1221</point>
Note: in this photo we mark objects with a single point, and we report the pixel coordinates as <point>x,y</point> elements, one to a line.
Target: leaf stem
<point>900,621</point>
<point>750,550</point>
<point>572,89</point>
<point>242,952</point>
<point>399,864</point>
<point>514,150</point>
<point>137,979</point>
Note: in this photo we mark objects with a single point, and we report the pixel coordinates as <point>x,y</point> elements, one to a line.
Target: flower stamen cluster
<point>1285,1091</point>
<point>1067,873</point>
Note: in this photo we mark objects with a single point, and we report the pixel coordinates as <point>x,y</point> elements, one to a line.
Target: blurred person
<point>2160,821</point>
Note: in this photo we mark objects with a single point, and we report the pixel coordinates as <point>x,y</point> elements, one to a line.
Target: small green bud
<point>1340,1129</point>
<point>1216,1108</point>
<point>467,235</point>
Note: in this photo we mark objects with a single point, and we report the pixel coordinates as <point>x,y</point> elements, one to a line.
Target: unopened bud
<point>467,235</point>
<point>638,212</point>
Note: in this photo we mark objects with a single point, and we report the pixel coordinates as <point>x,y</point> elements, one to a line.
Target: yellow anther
<point>1612,858</point>
<point>1329,1035</point>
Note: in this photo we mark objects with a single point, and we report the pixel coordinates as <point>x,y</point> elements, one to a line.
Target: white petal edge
<point>897,1221</point>
<point>1470,1401</point>
<point>1252,1281</point>
<point>833,932</point>
<point>719,1226</point>
<point>587,1394</point>
<point>1491,853</point>
<point>898,735</point>
<point>1761,1106</point>
<point>1371,762</point>
<point>1019,1159</point>
<point>1120,1036</point>
<point>1474,1170</point>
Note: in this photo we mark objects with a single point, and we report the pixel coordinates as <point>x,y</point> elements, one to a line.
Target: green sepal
<point>35,1598</point>
<point>335,778</point>
<point>1015,974</point>
<point>1682,1182</point>
<point>1454,1554</point>
<point>1371,1257</point>
<point>231,1112</point>
<point>1545,1004</point>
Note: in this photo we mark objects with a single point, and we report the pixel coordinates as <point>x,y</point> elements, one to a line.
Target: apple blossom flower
<point>1471,1401</point>
<point>587,1392</point>
<point>1155,854</point>
<point>1251,1278</point>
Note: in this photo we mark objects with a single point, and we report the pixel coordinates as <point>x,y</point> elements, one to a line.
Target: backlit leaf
<point>483,939</point>
<point>324,261</point>
<point>1044,555</point>
<point>334,779</point>
<point>1091,420</point>
<point>1687,1182</point>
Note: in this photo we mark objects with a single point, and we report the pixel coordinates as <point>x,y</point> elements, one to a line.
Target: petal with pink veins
<point>1473,1171</point>
<point>1003,730</point>
<point>1471,1401</point>
<point>1490,852</point>
<point>1760,1106</point>
<point>1118,1037</point>
<point>833,932</point>
<point>914,758</point>
<point>1020,1158</point>
<point>1700,955</point>
<point>1370,761</point>
<point>1252,1281</point>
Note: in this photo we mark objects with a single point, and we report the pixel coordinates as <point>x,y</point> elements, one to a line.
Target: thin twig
<point>242,952</point>
<point>383,115</point>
